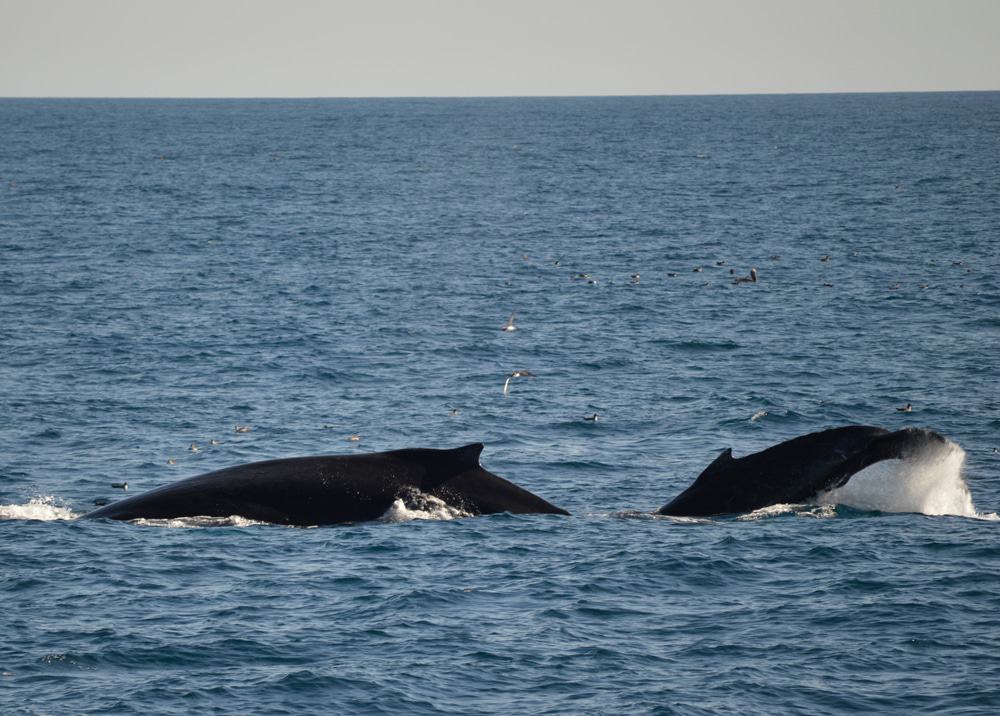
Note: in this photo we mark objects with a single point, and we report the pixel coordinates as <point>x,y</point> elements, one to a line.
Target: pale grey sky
<point>364,48</point>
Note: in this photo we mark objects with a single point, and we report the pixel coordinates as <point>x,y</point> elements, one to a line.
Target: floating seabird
<point>516,374</point>
<point>591,418</point>
<point>672,274</point>
<point>171,461</point>
<point>120,486</point>
<point>509,326</point>
<point>213,441</point>
<point>908,408</point>
<point>453,412</point>
<point>825,258</point>
<point>696,269</point>
<point>242,428</point>
<point>752,278</point>
<point>635,278</point>
<point>353,438</point>
<point>194,447</point>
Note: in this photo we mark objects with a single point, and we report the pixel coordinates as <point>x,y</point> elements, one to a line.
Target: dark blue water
<point>317,269</point>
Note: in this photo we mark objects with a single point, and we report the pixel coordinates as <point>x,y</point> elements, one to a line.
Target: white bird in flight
<point>509,326</point>
<point>516,374</point>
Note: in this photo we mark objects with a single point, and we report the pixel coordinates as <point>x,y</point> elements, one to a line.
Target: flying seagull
<point>516,374</point>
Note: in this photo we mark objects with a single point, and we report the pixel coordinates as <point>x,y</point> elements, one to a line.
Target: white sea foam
<point>43,509</point>
<point>200,521</point>
<point>418,506</point>
<point>820,511</point>
<point>929,481</point>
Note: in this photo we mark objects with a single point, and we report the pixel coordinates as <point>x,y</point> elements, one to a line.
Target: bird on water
<point>509,326</point>
<point>908,408</point>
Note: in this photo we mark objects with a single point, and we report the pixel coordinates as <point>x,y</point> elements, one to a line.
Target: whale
<point>795,471</point>
<point>333,489</point>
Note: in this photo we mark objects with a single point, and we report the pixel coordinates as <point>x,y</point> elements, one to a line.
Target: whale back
<point>790,472</point>
<point>331,489</point>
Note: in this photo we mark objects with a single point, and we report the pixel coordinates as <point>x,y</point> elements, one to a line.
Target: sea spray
<point>418,506</point>
<point>929,481</point>
<point>42,509</point>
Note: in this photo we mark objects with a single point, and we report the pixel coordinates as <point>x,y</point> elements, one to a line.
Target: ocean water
<point>322,268</point>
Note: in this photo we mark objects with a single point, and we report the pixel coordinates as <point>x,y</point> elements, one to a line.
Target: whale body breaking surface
<point>332,489</point>
<point>810,467</point>
<point>866,467</point>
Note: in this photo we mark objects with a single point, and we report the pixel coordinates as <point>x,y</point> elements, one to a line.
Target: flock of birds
<point>751,278</point>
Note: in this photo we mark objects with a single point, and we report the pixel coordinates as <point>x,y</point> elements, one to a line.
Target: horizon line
<point>494,96</point>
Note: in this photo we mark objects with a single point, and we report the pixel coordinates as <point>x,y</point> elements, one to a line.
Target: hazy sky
<point>317,48</point>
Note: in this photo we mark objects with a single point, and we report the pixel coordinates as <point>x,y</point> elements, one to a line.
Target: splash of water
<point>418,506</point>
<point>42,509</point>
<point>929,482</point>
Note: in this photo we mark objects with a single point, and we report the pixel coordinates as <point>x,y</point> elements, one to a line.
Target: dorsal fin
<point>466,457</point>
<point>443,465</point>
<point>725,457</point>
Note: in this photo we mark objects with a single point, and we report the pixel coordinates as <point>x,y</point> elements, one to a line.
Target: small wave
<point>680,519</point>
<point>42,509</point>
<point>418,506</point>
<point>988,516</point>
<point>696,346</point>
<point>928,482</point>
<point>199,521</point>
